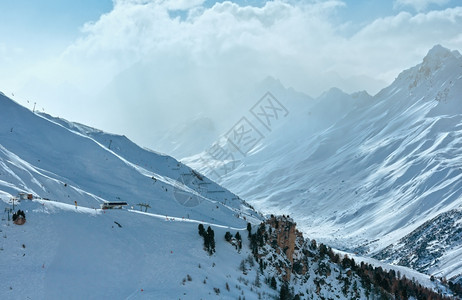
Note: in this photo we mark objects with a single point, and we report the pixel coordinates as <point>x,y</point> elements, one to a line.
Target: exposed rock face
<point>316,271</point>
<point>287,239</point>
<point>284,229</point>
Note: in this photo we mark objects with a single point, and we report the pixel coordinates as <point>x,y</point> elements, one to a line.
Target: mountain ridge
<point>370,175</point>
<point>70,247</point>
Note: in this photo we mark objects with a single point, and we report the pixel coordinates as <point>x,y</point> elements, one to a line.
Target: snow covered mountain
<point>434,247</point>
<point>70,248</point>
<point>54,159</point>
<point>70,169</point>
<point>361,172</point>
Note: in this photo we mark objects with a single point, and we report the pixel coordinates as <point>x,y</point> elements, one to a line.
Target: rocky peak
<point>285,233</point>
<point>438,54</point>
<point>287,241</point>
<point>437,60</point>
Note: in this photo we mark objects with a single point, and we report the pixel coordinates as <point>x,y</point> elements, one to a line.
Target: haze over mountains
<point>375,176</point>
<point>71,248</point>
<point>361,172</point>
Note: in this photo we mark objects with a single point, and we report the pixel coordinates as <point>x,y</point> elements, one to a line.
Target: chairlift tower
<point>145,205</point>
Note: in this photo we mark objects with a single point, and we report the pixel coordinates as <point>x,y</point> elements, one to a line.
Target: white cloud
<point>418,5</point>
<point>141,68</point>
<point>274,37</point>
<point>281,32</point>
<point>169,4</point>
<point>397,42</point>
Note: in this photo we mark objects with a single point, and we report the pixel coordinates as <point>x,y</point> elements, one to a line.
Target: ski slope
<point>70,162</point>
<point>63,251</point>
<point>81,253</point>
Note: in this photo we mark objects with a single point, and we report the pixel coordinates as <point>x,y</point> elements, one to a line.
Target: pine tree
<point>322,250</point>
<point>201,230</point>
<point>206,242</point>
<point>261,266</point>
<point>257,280</point>
<point>284,294</point>
<point>249,228</point>
<point>273,283</point>
<point>253,244</point>
<point>242,266</point>
<point>211,240</point>
<point>239,240</point>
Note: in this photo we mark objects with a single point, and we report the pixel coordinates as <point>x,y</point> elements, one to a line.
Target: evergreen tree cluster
<point>17,214</point>
<point>400,287</point>
<point>375,281</point>
<point>387,282</point>
<point>456,288</point>
<point>237,239</point>
<point>209,238</point>
<point>257,239</point>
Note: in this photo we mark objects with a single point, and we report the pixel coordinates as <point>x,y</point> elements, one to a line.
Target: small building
<point>114,204</point>
<point>25,196</point>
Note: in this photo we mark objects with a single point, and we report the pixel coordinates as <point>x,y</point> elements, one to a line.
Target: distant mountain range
<point>366,174</point>
<point>59,174</point>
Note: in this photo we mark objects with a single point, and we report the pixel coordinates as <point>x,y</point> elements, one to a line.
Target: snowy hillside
<point>85,253</point>
<point>67,162</point>
<point>362,177</point>
<point>58,173</point>
<point>434,247</point>
<point>69,246</point>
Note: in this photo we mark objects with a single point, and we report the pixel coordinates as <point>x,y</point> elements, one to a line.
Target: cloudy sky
<point>139,67</point>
